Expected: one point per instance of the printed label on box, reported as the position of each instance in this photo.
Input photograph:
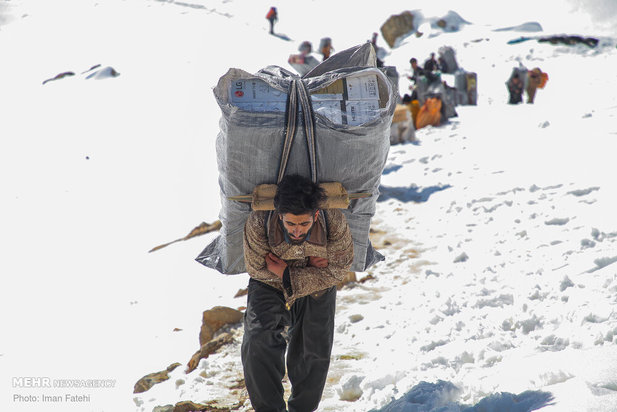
(361, 111)
(254, 90)
(362, 87)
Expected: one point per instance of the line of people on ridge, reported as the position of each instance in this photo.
(306, 48)
(434, 109)
(303, 61)
(429, 69)
(325, 44)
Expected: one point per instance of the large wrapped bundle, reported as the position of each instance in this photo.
(340, 114)
(448, 57)
(467, 85)
(403, 129)
(430, 113)
(448, 100)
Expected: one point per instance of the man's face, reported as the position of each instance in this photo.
(298, 226)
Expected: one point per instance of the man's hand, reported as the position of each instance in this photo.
(275, 265)
(318, 262)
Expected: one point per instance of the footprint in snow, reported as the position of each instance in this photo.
(557, 221)
(602, 263)
(583, 192)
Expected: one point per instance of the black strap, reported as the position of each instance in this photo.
(297, 91)
(290, 128)
(309, 128)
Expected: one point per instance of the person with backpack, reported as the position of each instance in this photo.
(515, 89)
(378, 50)
(431, 66)
(295, 256)
(536, 79)
(272, 17)
(416, 70)
(303, 62)
(442, 64)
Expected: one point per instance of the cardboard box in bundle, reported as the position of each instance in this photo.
(349, 112)
(330, 109)
(254, 90)
(355, 100)
(255, 95)
(351, 88)
(362, 88)
(361, 111)
(350, 101)
(333, 91)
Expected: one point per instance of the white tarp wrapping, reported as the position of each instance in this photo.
(250, 143)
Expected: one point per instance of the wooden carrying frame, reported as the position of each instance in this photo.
(337, 197)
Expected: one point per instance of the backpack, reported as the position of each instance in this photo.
(344, 140)
(543, 80)
(430, 113)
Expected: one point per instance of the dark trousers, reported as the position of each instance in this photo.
(311, 332)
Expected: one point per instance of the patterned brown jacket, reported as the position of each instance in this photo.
(329, 238)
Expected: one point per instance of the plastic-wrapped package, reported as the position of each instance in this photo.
(342, 134)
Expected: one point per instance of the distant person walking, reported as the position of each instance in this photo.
(515, 88)
(378, 50)
(305, 49)
(443, 65)
(272, 17)
(303, 62)
(536, 79)
(416, 70)
(430, 64)
(325, 47)
(430, 67)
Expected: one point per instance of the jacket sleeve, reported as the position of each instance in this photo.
(309, 279)
(256, 248)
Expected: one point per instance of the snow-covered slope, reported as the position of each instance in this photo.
(498, 227)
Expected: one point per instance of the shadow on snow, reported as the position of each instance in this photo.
(281, 36)
(391, 168)
(442, 396)
(409, 194)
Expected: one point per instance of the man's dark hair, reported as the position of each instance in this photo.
(298, 195)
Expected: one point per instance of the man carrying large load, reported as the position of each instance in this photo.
(295, 255)
(300, 161)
